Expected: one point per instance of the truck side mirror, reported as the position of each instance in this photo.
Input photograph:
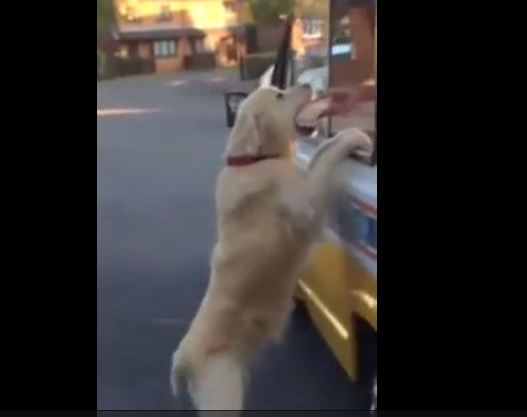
(232, 103)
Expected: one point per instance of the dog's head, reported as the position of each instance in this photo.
(265, 122)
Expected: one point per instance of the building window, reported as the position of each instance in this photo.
(122, 52)
(313, 27)
(198, 45)
(165, 48)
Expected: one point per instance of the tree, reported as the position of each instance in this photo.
(269, 11)
(105, 18)
(312, 8)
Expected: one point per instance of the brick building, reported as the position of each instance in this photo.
(177, 33)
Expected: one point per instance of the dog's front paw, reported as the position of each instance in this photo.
(354, 139)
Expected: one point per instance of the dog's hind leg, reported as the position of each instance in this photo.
(180, 377)
(219, 385)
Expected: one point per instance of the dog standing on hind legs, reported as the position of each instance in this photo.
(269, 213)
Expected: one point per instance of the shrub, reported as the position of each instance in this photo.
(121, 67)
(254, 65)
(203, 60)
(101, 64)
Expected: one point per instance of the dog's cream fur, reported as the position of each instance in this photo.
(269, 214)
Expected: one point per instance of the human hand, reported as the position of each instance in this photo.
(344, 100)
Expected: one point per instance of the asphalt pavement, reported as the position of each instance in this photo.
(159, 146)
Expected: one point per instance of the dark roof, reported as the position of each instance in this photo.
(142, 32)
(156, 33)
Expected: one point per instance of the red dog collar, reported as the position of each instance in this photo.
(242, 160)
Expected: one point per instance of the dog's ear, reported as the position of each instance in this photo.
(246, 136)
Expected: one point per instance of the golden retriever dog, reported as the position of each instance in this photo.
(269, 213)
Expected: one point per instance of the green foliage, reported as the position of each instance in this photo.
(254, 65)
(269, 11)
(101, 64)
(105, 18)
(312, 8)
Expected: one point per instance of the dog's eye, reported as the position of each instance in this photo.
(279, 96)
